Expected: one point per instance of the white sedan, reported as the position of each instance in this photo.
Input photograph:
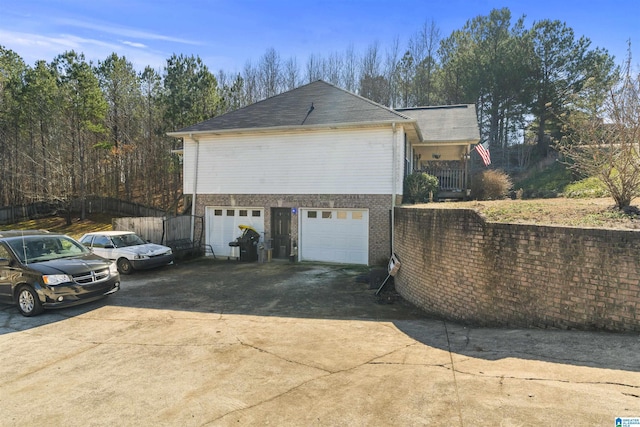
(128, 250)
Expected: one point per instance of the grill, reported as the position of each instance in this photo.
(157, 255)
(248, 243)
(91, 276)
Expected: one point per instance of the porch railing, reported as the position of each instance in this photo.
(449, 179)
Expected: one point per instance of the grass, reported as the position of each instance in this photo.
(95, 222)
(583, 212)
(603, 219)
(525, 211)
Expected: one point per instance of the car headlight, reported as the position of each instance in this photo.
(56, 279)
(113, 269)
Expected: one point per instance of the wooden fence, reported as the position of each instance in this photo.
(161, 230)
(150, 224)
(116, 206)
(149, 228)
(12, 214)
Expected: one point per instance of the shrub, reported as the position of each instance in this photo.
(546, 182)
(519, 194)
(419, 187)
(588, 187)
(490, 185)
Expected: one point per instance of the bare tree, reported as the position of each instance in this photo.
(606, 143)
(121, 88)
(84, 107)
(291, 74)
(391, 71)
(251, 86)
(373, 84)
(423, 48)
(350, 70)
(156, 147)
(270, 73)
(371, 60)
(313, 69)
(333, 68)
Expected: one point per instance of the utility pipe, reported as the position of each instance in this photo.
(393, 182)
(195, 187)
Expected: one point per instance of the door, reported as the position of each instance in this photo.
(334, 235)
(7, 274)
(281, 232)
(102, 245)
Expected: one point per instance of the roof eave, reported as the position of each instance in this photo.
(182, 134)
(449, 142)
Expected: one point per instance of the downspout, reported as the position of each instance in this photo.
(393, 183)
(195, 188)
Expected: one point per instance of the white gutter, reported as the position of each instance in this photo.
(195, 188)
(381, 123)
(393, 183)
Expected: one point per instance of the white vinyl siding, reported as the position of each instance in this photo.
(309, 162)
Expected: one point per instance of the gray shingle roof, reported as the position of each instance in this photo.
(446, 123)
(331, 105)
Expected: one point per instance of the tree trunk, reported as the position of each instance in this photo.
(543, 144)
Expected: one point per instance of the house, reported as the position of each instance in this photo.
(316, 171)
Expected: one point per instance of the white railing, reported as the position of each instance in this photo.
(449, 179)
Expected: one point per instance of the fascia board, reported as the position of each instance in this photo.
(291, 128)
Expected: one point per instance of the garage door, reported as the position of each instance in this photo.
(222, 227)
(334, 235)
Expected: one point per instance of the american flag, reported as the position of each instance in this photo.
(484, 153)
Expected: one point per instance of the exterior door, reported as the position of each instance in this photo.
(281, 232)
(7, 274)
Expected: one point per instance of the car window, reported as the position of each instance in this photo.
(101, 242)
(117, 242)
(127, 240)
(45, 248)
(4, 253)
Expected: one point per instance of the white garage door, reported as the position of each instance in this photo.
(222, 227)
(334, 235)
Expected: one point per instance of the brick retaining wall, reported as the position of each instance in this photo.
(456, 265)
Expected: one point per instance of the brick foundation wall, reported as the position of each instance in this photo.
(457, 266)
(379, 206)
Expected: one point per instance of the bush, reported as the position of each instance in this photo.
(545, 183)
(490, 185)
(585, 188)
(419, 187)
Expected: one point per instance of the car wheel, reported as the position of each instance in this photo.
(124, 266)
(28, 302)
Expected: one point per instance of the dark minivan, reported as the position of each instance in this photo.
(41, 270)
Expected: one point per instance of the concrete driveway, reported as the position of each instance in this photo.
(209, 343)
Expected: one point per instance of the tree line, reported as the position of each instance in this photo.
(70, 128)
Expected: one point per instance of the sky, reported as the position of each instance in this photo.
(226, 34)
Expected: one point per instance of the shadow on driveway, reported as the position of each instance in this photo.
(300, 290)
